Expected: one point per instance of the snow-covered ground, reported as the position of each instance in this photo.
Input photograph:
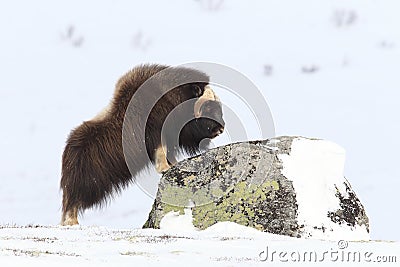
(328, 69)
(224, 244)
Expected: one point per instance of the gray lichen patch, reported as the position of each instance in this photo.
(351, 210)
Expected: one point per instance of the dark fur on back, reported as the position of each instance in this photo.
(93, 163)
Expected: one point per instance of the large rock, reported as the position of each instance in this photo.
(287, 185)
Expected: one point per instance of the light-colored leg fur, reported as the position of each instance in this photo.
(161, 159)
(70, 217)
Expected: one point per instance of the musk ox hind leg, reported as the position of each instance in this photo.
(69, 211)
(70, 217)
(93, 169)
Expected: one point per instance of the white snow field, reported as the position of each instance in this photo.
(328, 69)
(223, 244)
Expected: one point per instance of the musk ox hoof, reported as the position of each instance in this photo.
(162, 167)
(70, 218)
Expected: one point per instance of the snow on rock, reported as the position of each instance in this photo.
(316, 169)
(173, 221)
(291, 186)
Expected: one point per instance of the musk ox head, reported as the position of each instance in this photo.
(208, 112)
(207, 122)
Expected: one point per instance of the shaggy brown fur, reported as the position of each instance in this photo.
(96, 164)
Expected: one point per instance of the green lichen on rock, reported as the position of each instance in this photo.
(176, 195)
(237, 206)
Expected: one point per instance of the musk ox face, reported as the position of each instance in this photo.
(208, 114)
(210, 119)
(207, 122)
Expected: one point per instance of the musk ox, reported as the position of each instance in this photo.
(103, 155)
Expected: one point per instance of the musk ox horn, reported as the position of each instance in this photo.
(207, 96)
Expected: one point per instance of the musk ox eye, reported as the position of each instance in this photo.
(198, 91)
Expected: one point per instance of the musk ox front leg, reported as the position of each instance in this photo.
(161, 160)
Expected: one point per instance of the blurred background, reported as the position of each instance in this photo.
(328, 69)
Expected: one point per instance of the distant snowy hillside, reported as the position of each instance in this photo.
(328, 69)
